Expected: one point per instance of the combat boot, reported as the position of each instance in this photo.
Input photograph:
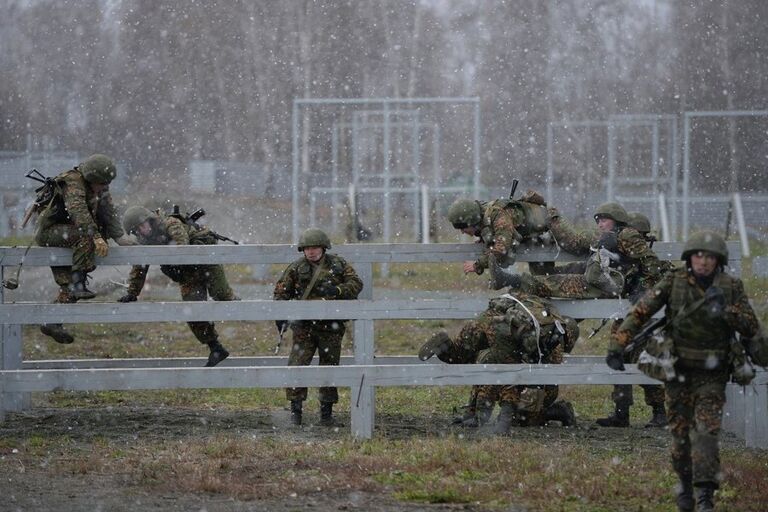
(217, 355)
(326, 414)
(620, 417)
(659, 417)
(436, 345)
(79, 291)
(57, 332)
(705, 498)
(561, 411)
(684, 497)
(296, 412)
(507, 416)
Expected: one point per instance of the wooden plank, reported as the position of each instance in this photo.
(363, 396)
(266, 253)
(11, 359)
(465, 307)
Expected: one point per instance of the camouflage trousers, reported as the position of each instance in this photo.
(571, 286)
(695, 411)
(83, 252)
(622, 394)
(327, 343)
(197, 283)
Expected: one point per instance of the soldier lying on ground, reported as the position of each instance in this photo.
(196, 282)
(514, 329)
(80, 215)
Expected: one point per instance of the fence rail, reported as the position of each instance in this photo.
(363, 372)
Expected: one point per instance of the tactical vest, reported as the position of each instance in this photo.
(702, 337)
(530, 219)
(332, 271)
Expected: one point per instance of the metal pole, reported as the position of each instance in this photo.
(295, 177)
(665, 235)
(739, 211)
(476, 156)
(686, 171)
(334, 176)
(424, 214)
(674, 189)
(655, 163)
(387, 184)
(611, 163)
(550, 170)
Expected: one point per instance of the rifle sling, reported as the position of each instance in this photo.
(313, 281)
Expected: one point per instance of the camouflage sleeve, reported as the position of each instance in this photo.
(285, 288)
(177, 231)
(76, 204)
(571, 239)
(351, 285)
(483, 262)
(652, 301)
(633, 246)
(740, 315)
(136, 279)
(108, 218)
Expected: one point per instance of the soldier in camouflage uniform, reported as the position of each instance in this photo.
(620, 256)
(79, 216)
(196, 282)
(705, 307)
(506, 333)
(622, 395)
(318, 275)
(500, 225)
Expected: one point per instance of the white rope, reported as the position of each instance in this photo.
(536, 324)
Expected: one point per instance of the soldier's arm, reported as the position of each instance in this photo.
(482, 262)
(73, 193)
(285, 287)
(505, 234)
(569, 238)
(652, 301)
(136, 279)
(177, 231)
(352, 285)
(633, 245)
(113, 228)
(740, 315)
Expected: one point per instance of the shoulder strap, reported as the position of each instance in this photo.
(313, 281)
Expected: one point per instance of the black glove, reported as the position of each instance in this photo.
(128, 297)
(328, 290)
(715, 298)
(615, 360)
(281, 325)
(608, 240)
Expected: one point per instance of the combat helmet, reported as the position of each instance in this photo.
(464, 213)
(98, 169)
(612, 211)
(707, 241)
(640, 222)
(314, 237)
(135, 216)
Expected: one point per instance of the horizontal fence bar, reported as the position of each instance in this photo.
(257, 310)
(362, 253)
(194, 362)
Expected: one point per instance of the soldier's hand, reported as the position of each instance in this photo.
(100, 247)
(128, 297)
(328, 290)
(469, 267)
(715, 299)
(281, 325)
(126, 240)
(615, 360)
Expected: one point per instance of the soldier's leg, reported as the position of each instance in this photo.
(709, 400)
(681, 417)
(303, 348)
(218, 286)
(205, 332)
(622, 401)
(63, 277)
(329, 351)
(461, 350)
(572, 286)
(510, 410)
(654, 398)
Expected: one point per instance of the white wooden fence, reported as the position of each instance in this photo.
(745, 415)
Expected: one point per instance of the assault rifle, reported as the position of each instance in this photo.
(192, 218)
(514, 187)
(44, 194)
(649, 329)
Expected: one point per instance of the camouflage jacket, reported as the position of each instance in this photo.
(75, 203)
(694, 323)
(168, 230)
(569, 238)
(639, 264)
(499, 231)
(334, 270)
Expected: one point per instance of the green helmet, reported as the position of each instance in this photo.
(464, 213)
(612, 211)
(707, 241)
(314, 237)
(640, 222)
(134, 216)
(98, 169)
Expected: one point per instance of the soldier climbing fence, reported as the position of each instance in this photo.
(746, 412)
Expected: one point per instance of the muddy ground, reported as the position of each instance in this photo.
(28, 484)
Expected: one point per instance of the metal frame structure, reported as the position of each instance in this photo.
(687, 118)
(388, 106)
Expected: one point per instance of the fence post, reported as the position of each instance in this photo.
(362, 398)
(10, 359)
